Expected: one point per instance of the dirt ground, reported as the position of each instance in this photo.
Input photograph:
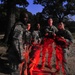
(5, 70)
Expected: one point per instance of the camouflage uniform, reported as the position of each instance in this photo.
(35, 51)
(15, 50)
(16, 47)
(36, 36)
(27, 37)
(61, 52)
(48, 44)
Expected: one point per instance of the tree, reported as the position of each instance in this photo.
(57, 8)
(10, 7)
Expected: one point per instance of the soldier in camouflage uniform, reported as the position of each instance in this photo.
(35, 51)
(16, 46)
(36, 34)
(62, 45)
(27, 47)
(50, 33)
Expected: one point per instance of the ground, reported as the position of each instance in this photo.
(5, 70)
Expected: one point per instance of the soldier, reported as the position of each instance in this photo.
(27, 47)
(50, 33)
(64, 40)
(36, 34)
(16, 46)
(35, 51)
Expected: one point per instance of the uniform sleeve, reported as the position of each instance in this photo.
(17, 32)
(56, 30)
(48, 30)
(70, 37)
